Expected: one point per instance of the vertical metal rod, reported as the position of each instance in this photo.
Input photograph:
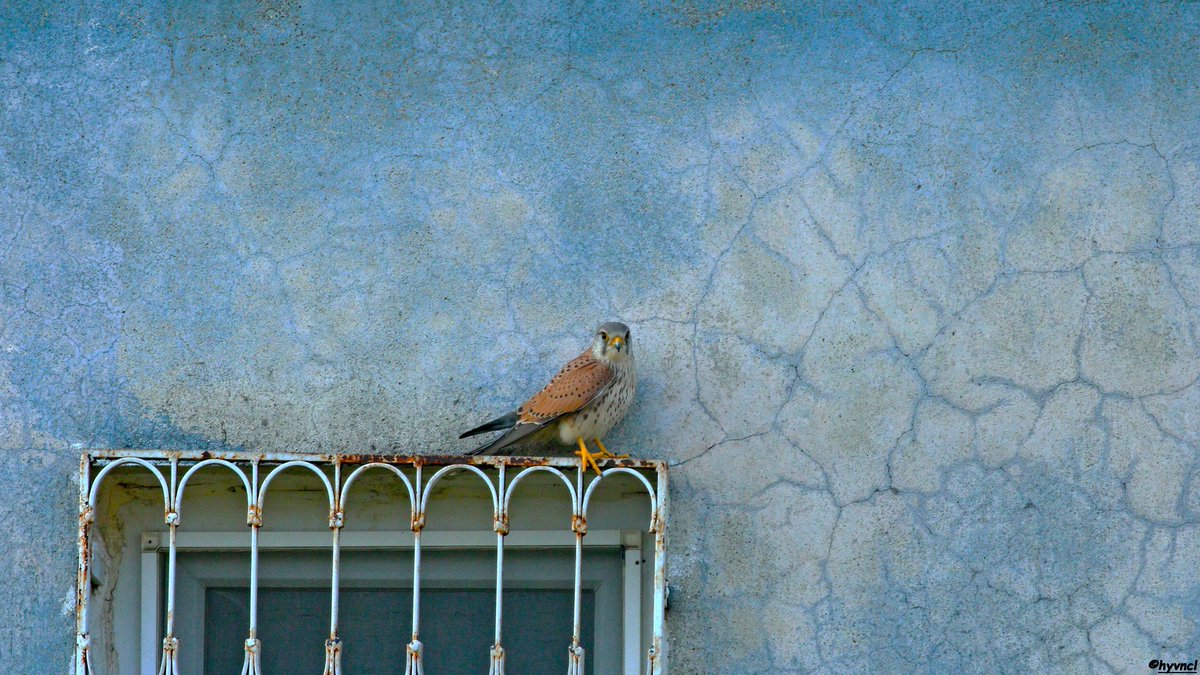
(579, 525)
(335, 524)
(333, 603)
(413, 662)
(170, 642)
(500, 524)
(658, 648)
(333, 646)
(501, 527)
(251, 664)
(172, 517)
(576, 624)
(254, 581)
(83, 582)
(499, 583)
(254, 525)
(417, 526)
(416, 609)
(575, 660)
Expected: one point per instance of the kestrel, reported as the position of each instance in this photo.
(584, 400)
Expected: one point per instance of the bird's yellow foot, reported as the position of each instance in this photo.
(604, 453)
(586, 458)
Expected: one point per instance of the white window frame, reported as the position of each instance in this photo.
(172, 469)
(154, 569)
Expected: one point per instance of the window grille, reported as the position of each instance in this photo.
(338, 473)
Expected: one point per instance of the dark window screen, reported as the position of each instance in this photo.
(375, 625)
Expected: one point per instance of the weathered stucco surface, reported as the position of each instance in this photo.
(915, 290)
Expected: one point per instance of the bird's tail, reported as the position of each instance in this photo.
(516, 434)
(502, 422)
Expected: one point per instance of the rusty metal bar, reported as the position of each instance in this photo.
(104, 455)
(580, 491)
(83, 582)
(656, 661)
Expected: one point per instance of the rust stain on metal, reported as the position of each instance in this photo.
(656, 522)
(103, 456)
(83, 640)
(85, 550)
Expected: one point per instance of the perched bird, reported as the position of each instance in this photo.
(584, 400)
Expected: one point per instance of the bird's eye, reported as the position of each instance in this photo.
(604, 336)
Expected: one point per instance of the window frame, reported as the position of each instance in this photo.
(154, 568)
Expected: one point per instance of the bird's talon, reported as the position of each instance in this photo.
(586, 458)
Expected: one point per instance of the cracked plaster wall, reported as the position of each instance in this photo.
(916, 289)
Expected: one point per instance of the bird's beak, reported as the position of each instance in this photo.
(616, 342)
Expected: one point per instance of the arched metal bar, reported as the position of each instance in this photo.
(549, 469)
(208, 462)
(262, 491)
(130, 460)
(447, 469)
(412, 498)
(587, 495)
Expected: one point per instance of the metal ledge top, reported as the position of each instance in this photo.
(102, 456)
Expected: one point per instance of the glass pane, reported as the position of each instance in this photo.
(376, 625)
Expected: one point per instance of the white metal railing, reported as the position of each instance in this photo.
(166, 466)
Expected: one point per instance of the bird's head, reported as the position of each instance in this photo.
(613, 342)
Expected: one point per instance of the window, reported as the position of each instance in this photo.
(373, 564)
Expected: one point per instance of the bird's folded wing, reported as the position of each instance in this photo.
(580, 381)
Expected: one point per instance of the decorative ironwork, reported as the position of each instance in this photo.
(165, 466)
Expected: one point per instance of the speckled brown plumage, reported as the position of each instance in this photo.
(570, 390)
(587, 398)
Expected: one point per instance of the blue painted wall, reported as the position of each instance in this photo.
(914, 289)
